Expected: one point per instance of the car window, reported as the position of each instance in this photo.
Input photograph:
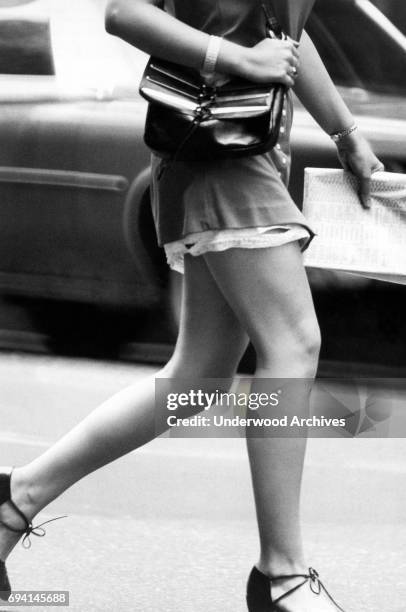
(357, 50)
(25, 41)
(99, 60)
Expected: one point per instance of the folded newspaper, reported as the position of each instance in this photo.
(349, 238)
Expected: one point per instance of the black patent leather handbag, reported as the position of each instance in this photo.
(188, 119)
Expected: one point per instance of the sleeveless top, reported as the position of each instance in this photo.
(240, 21)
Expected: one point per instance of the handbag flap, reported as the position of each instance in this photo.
(184, 90)
(171, 78)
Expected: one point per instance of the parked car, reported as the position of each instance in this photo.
(75, 219)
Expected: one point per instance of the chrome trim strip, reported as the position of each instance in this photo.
(169, 99)
(236, 98)
(175, 77)
(62, 178)
(241, 111)
(169, 87)
(183, 105)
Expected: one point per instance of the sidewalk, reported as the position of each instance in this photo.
(172, 526)
(42, 397)
(124, 565)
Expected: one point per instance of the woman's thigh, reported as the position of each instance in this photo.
(268, 290)
(211, 339)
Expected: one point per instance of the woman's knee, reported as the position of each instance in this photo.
(297, 346)
(309, 345)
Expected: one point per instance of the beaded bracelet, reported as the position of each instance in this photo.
(337, 136)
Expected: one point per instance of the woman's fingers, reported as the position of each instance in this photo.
(357, 156)
(292, 67)
(294, 54)
(365, 183)
(365, 191)
(363, 173)
(288, 80)
(365, 180)
(273, 60)
(379, 167)
(294, 63)
(294, 48)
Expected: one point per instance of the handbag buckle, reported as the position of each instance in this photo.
(206, 99)
(203, 111)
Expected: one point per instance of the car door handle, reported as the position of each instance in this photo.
(63, 178)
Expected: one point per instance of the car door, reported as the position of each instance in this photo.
(70, 150)
(365, 55)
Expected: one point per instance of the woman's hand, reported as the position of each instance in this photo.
(271, 60)
(356, 156)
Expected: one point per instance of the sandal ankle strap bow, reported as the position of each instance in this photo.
(314, 582)
(262, 590)
(28, 529)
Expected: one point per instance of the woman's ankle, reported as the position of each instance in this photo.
(282, 566)
(23, 493)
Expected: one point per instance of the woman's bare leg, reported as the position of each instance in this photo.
(128, 419)
(269, 292)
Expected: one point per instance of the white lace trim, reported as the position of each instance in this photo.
(220, 240)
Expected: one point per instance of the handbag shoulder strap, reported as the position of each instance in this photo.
(273, 27)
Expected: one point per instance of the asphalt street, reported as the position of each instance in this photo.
(171, 527)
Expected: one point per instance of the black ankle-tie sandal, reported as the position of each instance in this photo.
(28, 529)
(260, 597)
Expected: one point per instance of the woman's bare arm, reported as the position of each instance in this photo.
(146, 26)
(318, 94)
